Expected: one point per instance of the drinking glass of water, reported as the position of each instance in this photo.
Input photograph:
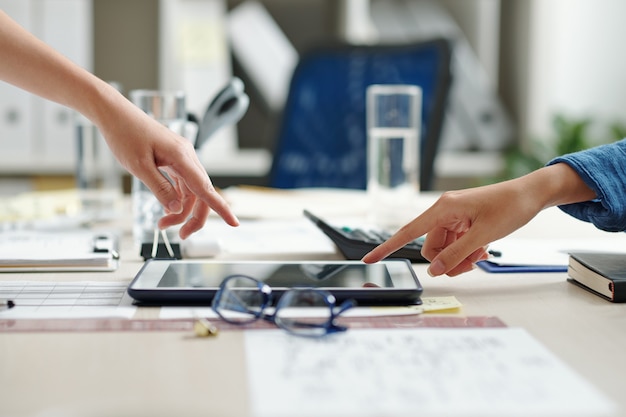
(393, 114)
(168, 108)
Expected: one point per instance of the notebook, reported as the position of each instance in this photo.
(75, 250)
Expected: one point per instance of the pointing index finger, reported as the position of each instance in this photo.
(409, 232)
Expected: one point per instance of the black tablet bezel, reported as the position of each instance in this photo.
(143, 289)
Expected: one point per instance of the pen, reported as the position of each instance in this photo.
(6, 304)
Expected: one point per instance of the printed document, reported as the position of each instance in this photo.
(407, 372)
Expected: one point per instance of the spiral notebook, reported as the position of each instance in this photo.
(41, 251)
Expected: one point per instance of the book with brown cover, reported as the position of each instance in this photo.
(602, 273)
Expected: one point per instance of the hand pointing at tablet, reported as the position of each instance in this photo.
(142, 145)
(461, 224)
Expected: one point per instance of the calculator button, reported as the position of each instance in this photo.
(413, 245)
(363, 235)
(379, 236)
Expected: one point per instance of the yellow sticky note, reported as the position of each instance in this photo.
(440, 304)
(202, 42)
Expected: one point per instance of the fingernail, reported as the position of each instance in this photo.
(436, 268)
(174, 206)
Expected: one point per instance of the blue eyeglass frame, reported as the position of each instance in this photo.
(329, 326)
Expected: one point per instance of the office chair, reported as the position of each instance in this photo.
(322, 140)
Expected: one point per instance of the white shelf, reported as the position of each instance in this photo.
(457, 164)
(240, 163)
(34, 165)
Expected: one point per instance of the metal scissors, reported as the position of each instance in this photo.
(227, 108)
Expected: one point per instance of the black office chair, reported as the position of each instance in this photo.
(322, 139)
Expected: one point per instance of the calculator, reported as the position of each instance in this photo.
(354, 243)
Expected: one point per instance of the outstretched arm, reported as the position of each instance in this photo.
(142, 145)
(461, 224)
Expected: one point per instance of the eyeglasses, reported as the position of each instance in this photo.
(242, 299)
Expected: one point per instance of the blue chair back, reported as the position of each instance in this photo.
(322, 140)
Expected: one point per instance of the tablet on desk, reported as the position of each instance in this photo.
(171, 282)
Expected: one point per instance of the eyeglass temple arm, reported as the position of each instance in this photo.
(346, 305)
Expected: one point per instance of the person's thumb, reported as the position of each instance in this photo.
(455, 255)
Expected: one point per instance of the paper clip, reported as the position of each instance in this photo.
(165, 250)
(155, 243)
(204, 328)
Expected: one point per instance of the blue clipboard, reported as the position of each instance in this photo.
(511, 269)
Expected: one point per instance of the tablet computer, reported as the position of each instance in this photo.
(181, 282)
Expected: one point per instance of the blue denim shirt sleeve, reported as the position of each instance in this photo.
(603, 169)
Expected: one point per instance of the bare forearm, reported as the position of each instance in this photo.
(556, 185)
(461, 223)
(142, 145)
(32, 65)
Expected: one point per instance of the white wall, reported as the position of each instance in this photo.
(479, 20)
(575, 63)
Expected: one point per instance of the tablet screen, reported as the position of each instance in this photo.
(199, 280)
(338, 275)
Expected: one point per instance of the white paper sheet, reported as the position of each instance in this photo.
(269, 203)
(519, 251)
(71, 299)
(427, 372)
(255, 238)
(207, 312)
(429, 304)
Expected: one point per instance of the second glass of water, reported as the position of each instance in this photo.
(168, 108)
(393, 114)
(98, 174)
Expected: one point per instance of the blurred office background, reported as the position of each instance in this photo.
(521, 62)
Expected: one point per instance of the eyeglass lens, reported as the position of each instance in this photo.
(289, 312)
(240, 299)
(301, 311)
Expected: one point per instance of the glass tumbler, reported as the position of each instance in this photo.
(393, 152)
(168, 108)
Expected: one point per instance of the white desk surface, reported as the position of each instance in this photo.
(164, 373)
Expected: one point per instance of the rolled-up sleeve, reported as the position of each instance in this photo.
(603, 169)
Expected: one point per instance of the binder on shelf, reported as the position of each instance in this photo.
(36, 135)
(16, 115)
(66, 26)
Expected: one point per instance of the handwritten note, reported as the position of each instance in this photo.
(434, 372)
(440, 304)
